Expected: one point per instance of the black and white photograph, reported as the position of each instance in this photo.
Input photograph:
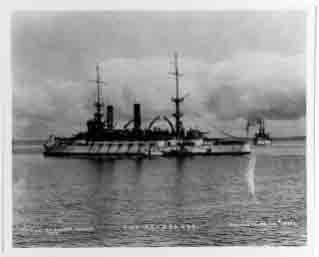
(159, 128)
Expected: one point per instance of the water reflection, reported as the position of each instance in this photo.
(178, 189)
(180, 163)
(208, 192)
(104, 172)
(138, 164)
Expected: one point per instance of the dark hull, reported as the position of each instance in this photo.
(123, 155)
(204, 154)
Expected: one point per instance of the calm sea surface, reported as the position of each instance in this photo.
(259, 199)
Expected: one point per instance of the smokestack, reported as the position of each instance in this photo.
(137, 116)
(109, 117)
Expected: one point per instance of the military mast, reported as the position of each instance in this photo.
(177, 99)
(99, 103)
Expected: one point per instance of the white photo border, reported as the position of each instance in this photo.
(213, 5)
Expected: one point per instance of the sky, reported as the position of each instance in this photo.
(236, 65)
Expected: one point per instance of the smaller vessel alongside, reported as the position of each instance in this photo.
(261, 137)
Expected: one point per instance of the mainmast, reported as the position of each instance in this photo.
(99, 103)
(177, 99)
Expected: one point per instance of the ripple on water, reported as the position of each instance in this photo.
(213, 194)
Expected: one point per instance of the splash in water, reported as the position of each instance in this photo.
(250, 176)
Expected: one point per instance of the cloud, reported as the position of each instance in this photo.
(253, 85)
(245, 85)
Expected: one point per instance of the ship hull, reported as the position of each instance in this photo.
(143, 149)
(186, 154)
(170, 154)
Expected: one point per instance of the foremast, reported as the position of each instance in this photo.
(96, 125)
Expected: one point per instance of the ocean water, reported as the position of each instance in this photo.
(258, 199)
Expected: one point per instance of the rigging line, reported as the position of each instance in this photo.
(223, 132)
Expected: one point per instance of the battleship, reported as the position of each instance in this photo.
(103, 138)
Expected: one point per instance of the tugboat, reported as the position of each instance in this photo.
(261, 137)
(103, 139)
